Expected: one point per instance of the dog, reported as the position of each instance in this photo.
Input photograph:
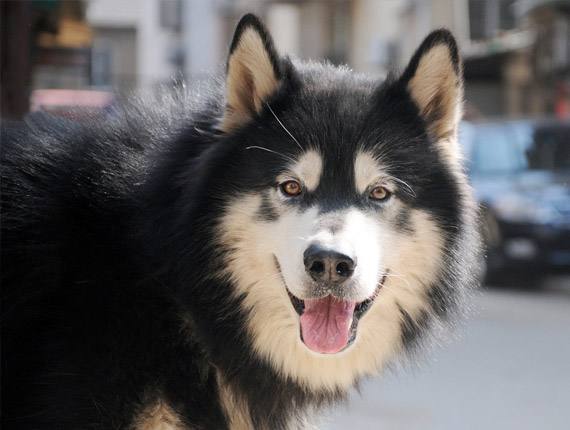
(238, 255)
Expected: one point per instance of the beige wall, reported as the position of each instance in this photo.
(375, 23)
(284, 22)
(120, 45)
(314, 31)
(113, 13)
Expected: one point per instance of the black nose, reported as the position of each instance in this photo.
(325, 265)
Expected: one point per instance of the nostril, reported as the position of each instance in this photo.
(317, 267)
(343, 269)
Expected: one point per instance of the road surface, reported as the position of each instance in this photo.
(509, 370)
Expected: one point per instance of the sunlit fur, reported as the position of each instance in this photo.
(148, 254)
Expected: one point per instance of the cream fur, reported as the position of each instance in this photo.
(250, 80)
(158, 416)
(274, 325)
(233, 408)
(436, 86)
(309, 169)
(366, 171)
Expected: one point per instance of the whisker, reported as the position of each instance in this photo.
(203, 132)
(269, 277)
(272, 151)
(283, 126)
(396, 275)
(386, 165)
(412, 192)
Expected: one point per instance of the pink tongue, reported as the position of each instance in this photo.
(325, 324)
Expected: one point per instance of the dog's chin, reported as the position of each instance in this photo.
(328, 325)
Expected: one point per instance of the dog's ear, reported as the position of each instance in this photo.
(434, 80)
(253, 72)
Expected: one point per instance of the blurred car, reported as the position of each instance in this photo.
(521, 174)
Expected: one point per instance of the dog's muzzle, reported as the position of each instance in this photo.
(328, 266)
(328, 318)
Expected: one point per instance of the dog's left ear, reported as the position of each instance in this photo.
(434, 81)
(253, 72)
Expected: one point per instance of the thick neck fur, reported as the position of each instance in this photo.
(276, 404)
(252, 394)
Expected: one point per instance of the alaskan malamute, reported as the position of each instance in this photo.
(236, 257)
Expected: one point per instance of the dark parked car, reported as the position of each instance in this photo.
(521, 174)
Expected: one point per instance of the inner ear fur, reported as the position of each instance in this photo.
(253, 73)
(434, 81)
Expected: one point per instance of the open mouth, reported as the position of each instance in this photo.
(329, 324)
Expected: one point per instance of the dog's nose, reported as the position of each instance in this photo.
(325, 265)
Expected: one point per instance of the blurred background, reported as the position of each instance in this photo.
(510, 368)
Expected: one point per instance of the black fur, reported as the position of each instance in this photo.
(413, 329)
(402, 221)
(109, 250)
(266, 211)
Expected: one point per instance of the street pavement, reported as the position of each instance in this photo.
(510, 369)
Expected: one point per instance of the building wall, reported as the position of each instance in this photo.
(153, 49)
(284, 23)
(314, 32)
(113, 13)
(376, 28)
(203, 37)
(373, 36)
(115, 57)
(419, 17)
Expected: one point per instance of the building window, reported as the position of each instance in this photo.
(488, 18)
(171, 14)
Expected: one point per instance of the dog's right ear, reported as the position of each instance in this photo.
(253, 73)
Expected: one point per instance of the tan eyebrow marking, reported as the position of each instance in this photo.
(309, 168)
(366, 171)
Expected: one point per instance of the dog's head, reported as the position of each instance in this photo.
(348, 226)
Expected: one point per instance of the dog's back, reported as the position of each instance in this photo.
(85, 326)
(56, 253)
(68, 203)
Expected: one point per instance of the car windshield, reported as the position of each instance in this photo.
(511, 147)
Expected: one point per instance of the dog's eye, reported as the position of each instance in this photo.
(379, 193)
(291, 188)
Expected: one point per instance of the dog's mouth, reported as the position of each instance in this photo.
(329, 324)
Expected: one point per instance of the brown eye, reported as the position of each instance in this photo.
(291, 188)
(379, 193)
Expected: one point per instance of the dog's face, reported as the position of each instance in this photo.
(347, 216)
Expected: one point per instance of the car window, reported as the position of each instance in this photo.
(496, 150)
(549, 148)
(510, 147)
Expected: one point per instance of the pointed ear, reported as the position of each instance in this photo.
(253, 72)
(434, 80)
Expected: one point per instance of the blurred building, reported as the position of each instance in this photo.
(45, 44)
(150, 41)
(136, 43)
(362, 33)
(517, 52)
